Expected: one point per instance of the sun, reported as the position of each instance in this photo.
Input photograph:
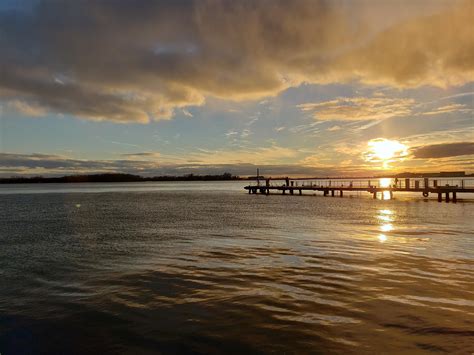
(385, 150)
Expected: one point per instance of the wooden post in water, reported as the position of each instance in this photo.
(340, 194)
(454, 197)
(332, 193)
(440, 197)
(447, 196)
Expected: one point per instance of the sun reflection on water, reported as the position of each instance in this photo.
(385, 183)
(386, 217)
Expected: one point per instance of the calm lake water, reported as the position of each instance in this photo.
(207, 268)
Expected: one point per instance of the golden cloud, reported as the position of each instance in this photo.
(459, 108)
(138, 61)
(359, 108)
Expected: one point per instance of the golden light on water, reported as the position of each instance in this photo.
(386, 216)
(385, 195)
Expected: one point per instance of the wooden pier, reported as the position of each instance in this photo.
(447, 187)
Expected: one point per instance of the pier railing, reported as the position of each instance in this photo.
(440, 186)
(400, 183)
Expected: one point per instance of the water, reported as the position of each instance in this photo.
(186, 267)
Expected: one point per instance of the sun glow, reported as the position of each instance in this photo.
(385, 182)
(385, 151)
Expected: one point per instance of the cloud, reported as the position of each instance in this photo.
(187, 113)
(51, 162)
(231, 133)
(245, 133)
(54, 165)
(260, 155)
(460, 108)
(444, 150)
(142, 155)
(136, 61)
(122, 143)
(359, 108)
(148, 161)
(25, 108)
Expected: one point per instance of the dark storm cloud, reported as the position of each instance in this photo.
(443, 150)
(137, 60)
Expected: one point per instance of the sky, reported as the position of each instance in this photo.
(300, 88)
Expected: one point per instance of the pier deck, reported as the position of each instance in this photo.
(449, 188)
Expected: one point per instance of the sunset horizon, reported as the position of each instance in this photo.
(196, 87)
(236, 177)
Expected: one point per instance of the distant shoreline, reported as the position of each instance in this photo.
(110, 177)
